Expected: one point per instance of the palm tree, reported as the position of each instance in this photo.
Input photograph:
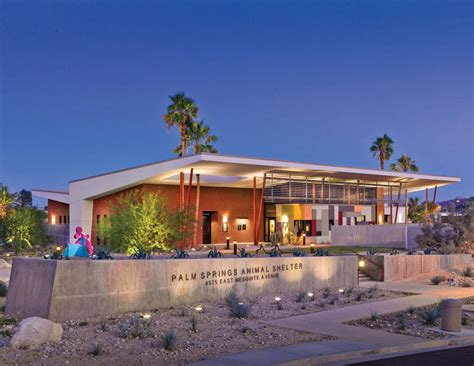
(181, 113)
(382, 149)
(404, 164)
(198, 136)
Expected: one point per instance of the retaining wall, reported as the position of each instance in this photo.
(391, 236)
(398, 267)
(75, 289)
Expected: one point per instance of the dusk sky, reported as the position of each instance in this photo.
(84, 84)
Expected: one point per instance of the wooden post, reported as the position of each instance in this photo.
(398, 202)
(196, 213)
(406, 206)
(260, 212)
(254, 210)
(391, 206)
(181, 190)
(426, 204)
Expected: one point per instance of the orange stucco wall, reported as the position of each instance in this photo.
(235, 203)
(57, 209)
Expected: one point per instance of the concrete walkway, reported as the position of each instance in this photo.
(352, 338)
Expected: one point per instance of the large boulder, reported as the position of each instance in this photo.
(34, 331)
(4, 264)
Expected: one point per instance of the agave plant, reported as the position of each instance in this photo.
(101, 252)
(297, 252)
(275, 253)
(180, 254)
(214, 253)
(140, 254)
(243, 253)
(321, 253)
(372, 251)
(276, 238)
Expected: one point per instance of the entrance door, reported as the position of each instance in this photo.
(206, 227)
(270, 227)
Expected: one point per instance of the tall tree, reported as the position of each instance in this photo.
(198, 136)
(382, 149)
(24, 198)
(404, 164)
(180, 113)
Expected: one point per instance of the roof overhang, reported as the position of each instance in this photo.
(238, 172)
(59, 196)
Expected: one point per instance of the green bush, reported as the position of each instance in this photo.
(96, 350)
(300, 297)
(401, 322)
(436, 280)
(194, 324)
(374, 315)
(3, 289)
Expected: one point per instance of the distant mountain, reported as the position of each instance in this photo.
(456, 205)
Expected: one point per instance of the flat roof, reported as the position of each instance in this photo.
(238, 172)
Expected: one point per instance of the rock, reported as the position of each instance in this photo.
(34, 331)
(4, 264)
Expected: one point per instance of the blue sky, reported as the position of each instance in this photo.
(84, 84)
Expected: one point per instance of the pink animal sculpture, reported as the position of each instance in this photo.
(83, 239)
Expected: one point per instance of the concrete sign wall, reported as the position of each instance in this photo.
(75, 289)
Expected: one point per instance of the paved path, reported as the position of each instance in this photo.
(276, 355)
(353, 338)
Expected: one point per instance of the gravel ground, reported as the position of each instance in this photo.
(414, 324)
(217, 332)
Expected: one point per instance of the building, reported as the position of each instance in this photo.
(227, 192)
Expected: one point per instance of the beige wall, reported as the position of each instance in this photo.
(86, 288)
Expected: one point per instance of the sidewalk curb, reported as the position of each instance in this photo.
(338, 357)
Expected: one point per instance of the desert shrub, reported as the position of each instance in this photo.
(373, 289)
(245, 330)
(465, 284)
(443, 238)
(143, 222)
(214, 253)
(430, 315)
(465, 320)
(103, 327)
(411, 309)
(96, 350)
(180, 254)
(297, 252)
(349, 291)
(243, 253)
(374, 315)
(274, 253)
(436, 280)
(240, 310)
(334, 299)
(467, 272)
(326, 293)
(136, 327)
(83, 323)
(169, 340)
(372, 251)
(194, 324)
(280, 305)
(300, 297)
(232, 298)
(3, 289)
(359, 296)
(401, 322)
(183, 312)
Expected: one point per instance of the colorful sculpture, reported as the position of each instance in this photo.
(82, 247)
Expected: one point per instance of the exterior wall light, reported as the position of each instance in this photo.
(312, 248)
(58, 249)
(53, 219)
(225, 224)
(361, 264)
(284, 220)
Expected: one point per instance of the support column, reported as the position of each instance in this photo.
(196, 213)
(406, 206)
(190, 186)
(322, 191)
(433, 205)
(260, 212)
(254, 210)
(426, 204)
(398, 203)
(391, 206)
(181, 190)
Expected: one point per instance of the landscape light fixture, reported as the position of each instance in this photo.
(235, 247)
(58, 249)
(198, 308)
(227, 242)
(312, 248)
(341, 290)
(240, 303)
(304, 238)
(310, 294)
(277, 299)
(146, 316)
